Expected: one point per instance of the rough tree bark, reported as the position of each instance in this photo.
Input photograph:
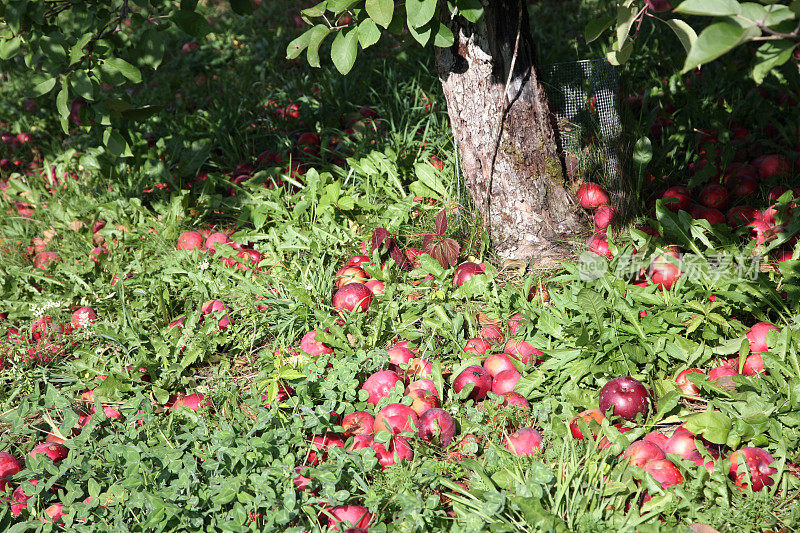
(504, 130)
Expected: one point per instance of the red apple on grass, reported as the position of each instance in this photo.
(592, 417)
(642, 451)
(682, 443)
(396, 418)
(399, 450)
(339, 518)
(192, 401)
(376, 287)
(522, 351)
(82, 317)
(758, 336)
(591, 196)
(687, 387)
(724, 370)
(498, 362)
(438, 426)
(714, 196)
(358, 260)
(212, 307)
(604, 217)
(677, 199)
(626, 397)
(310, 345)
(53, 450)
(524, 441)
(515, 399)
(753, 365)
(8, 465)
(422, 400)
(479, 377)
(664, 471)
(358, 423)
(662, 271)
(352, 296)
(758, 461)
(43, 260)
(320, 444)
(598, 244)
(466, 271)
(505, 381)
(743, 215)
(657, 438)
(190, 240)
(379, 384)
(491, 334)
(476, 346)
(349, 274)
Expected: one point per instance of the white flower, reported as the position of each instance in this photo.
(204, 265)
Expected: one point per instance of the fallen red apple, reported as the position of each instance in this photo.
(663, 272)
(396, 418)
(349, 274)
(192, 401)
(352, 296)
(353, 515)
(681, 443)
(522, 351)
(714, 196)
(476, 346)
(379, 384)
(479, 377)
(677, 199)
(466, 271)
(358, 423)
(82, 317)
(358, 260)
(498, 362)
(657, 438)
(516, 321)
(604, 217)
(524, 441)
(54, 513)
(598, 244)
(743, 214)
(641, 451)
(422, 400)
(53, 450)
(320, 444)
(758, 461)
(8, 465)
(190, 240)
(626, 397)
(687, 387)
(515, 399)
(376, 287)
(664, 471)
(491, 334)
(591, 196)
(212, 307)
(42, 260)
(399, 450)
(505, 381)
(310, 345)
(772, 165)
(758, 336)
(718, 372)
(592, 417)
(753, 365)
(437, 423)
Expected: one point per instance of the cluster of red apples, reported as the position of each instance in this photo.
(627, 399)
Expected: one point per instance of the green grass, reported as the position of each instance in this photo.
(231, 467)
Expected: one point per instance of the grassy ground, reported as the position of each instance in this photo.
(231, 465)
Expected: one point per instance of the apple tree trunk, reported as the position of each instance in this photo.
(505, 134)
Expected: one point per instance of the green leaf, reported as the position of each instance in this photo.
(686, 35)
(712, 425)
(596, 27)
(420, 12)
(593, 304)
(76, 52)
(643, 151)
(444, 38)
(338, 6)
(472, 10)
(9, 48)
(770, 55)
(380, 11)
(43, 88)
(422, 35)
(368, 33)
(296, 47)
(114, 143)
(710, 8)
(626, 16)
(192, 23)
(315, 11)
(61, 99)
(82, 85)
(619, 57)
(344, 50)
(713, 42)
(242, 7)
(152, 48)
(124, 68)
(318, 34)
(141, 113)
(427, 175)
